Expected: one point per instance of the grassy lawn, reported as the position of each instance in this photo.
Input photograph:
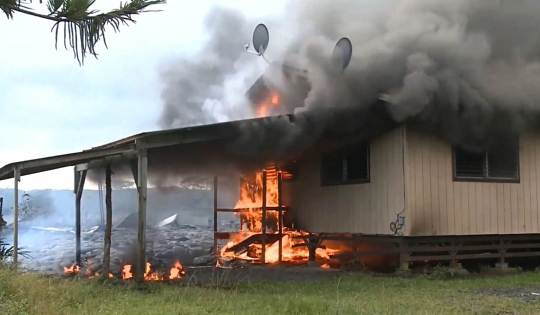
(350, 294)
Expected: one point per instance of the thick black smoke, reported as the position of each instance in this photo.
(467, 70)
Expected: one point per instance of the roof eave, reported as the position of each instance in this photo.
(29, 167)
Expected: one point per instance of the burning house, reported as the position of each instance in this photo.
(355, 185)
(385, 194)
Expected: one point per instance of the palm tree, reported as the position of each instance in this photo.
(82, 26)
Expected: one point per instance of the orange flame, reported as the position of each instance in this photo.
(72, 269)
(250, 202)
(75, 269)
(275, 99)
(176, 272)
(126, 272)
(271, 101)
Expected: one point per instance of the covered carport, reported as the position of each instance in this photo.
(131, 150)
(18, 169)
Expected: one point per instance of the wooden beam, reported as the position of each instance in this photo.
(263, 226)
(141, 228)
(81, 177)
(215, 214)
(240, 210)
(16, 177)
(108, 223)
(242, 221)
(280, 217)
(108, 160)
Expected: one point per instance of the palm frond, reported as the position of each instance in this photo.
(82, 26)
(7, 251)
(8, 6)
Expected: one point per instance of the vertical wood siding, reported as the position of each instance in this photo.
(361, 208)
(440, 206)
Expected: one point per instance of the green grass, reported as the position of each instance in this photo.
(350, 294)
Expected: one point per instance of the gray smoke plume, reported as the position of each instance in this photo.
(467, 70)
(200, 89)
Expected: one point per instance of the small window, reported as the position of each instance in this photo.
(347, 166)
(493, 165)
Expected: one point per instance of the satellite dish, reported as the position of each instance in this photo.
(261, 37)
(342, 54)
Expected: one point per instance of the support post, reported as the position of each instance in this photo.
(2, 222)
(502, 251)
(100, 197)
(16, 177)
(142, 175)
(403, 256)
(242, 221)
(263, 226)
(215, 215)
(312, 242)
(108, 223)
(80, 178)
(280, 217)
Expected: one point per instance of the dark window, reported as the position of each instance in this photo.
(347, 166)
(496, 165)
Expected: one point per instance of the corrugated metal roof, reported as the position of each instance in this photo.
(189, 134)
(59, 161)
(128, 145)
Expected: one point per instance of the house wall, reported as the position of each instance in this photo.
(356, 208)
(436, 205)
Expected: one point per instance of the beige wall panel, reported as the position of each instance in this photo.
(439, 206)
(361, 208)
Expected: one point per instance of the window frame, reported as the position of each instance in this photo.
(343, 154)
(456, 178)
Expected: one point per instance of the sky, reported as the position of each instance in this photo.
(49, 105)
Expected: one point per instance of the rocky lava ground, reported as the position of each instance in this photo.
(51, 249)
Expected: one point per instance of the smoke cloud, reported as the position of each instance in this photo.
(208, 86)
(467, 70)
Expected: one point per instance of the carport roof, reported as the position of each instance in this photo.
(129, 145)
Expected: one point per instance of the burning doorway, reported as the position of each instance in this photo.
(264, 236)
